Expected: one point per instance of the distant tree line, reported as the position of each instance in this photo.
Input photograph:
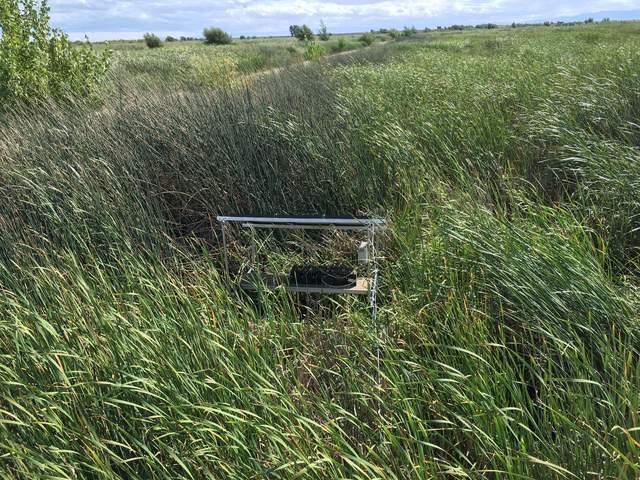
(516, 24)
(217, 36)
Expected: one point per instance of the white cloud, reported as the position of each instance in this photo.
(385, 8)
(275, 16)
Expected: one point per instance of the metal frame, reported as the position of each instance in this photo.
(323, 223)
(313, 223)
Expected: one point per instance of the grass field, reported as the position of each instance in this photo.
(506, 161)
(191, 63)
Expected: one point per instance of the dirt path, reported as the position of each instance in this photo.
(272, 71)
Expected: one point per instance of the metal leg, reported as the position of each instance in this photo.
(373, 306)
(224, 246)
(254, 253)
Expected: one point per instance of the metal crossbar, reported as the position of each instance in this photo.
(325, 221)
(306, 226)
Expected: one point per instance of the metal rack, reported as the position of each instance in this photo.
(366, 253)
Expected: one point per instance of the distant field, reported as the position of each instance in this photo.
(507, 162)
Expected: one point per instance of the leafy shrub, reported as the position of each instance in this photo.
(367, 38)
(313, 51)
(152, 41)
(216, 36)
(36, 60)
(170, 39)
(341, 46)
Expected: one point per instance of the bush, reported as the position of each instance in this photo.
(313, 51)
(37, 61)
(342, 45)
(367, 38)
(216, 36)
(394, 33)
(152, 41)
(170, 39)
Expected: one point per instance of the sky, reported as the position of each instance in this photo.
(124, 19)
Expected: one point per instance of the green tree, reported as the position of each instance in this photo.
(38, 61)
(216, 36)
(323, 33)
(301, 32)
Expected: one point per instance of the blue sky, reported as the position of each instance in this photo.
(114, 19)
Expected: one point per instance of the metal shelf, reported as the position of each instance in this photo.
(364, 286)
(272, 282)
(323, 221)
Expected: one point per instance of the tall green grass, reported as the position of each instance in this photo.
(506, 161)
(189, 64)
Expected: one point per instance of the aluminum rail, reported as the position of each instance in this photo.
(328, 221)
(296, 226)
